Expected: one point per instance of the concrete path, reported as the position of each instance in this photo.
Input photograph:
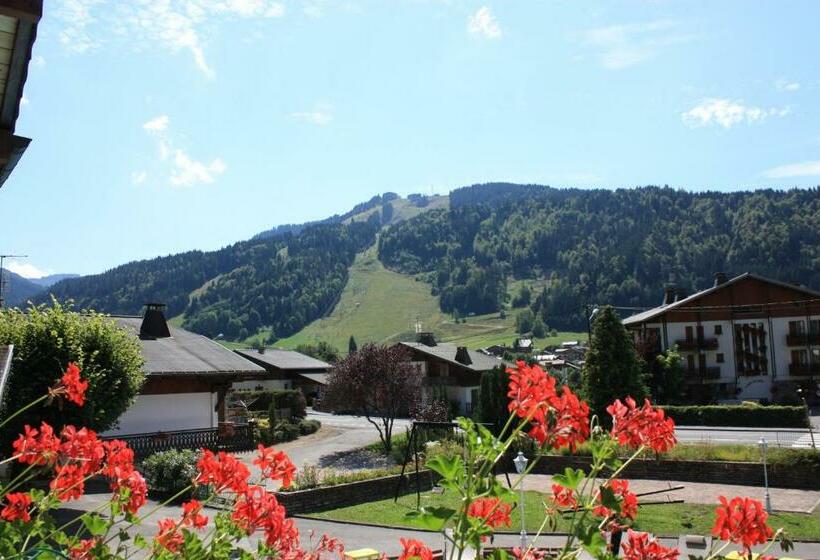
(783, 499)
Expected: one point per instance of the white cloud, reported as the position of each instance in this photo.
(321, 115)
(786, 85)
(803, 169)
(484, 23)
(38, 60)
(157, 124)
(138, 177)
(620, 46)
(24, 269)
(24, 100)
(183, 170)
(727, 113)
(172, 25)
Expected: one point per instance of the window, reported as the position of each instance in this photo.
(719, 358)
(689, 333)
(800, 357)
(718, 329)
(690, 362)
(814, 326)
(797, 327)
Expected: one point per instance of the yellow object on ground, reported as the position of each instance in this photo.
(362, 554)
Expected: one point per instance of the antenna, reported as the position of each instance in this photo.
(2, 281)
(418, 324)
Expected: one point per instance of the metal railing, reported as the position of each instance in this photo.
(776, 437)
(235, 438)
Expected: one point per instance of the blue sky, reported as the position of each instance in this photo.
(163, 126)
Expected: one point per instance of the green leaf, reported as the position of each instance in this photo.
(448, 468)
(95, 524)
(433, 519)
(140, 542)
(571, 478)
(608, 499)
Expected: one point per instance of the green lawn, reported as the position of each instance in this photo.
(664, 520)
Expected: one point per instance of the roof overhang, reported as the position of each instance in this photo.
(18, 30)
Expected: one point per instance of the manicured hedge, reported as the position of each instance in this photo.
(751, 416)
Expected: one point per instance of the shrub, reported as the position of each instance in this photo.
(739, 415)
(169, 472)
(307, 427)
(292, 399)
(306, 477)
(45, 339)
(255, 400)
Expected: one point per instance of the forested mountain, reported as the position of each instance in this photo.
(17, 289)
(280, 283)
(591, 246)
(602, 246)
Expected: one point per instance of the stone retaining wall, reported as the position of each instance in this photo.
(718, 472)
(352, 493)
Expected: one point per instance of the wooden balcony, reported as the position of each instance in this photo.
(802, 339)
(700, 373)
(689, 344)
(804, 369)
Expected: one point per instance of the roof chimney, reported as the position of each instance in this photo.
(426, 338)
(720, 278)
(680, 293)
(154, 324)
(463, 356)
(668, 294)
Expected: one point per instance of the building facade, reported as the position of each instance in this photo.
(748, 338)
(285, 369)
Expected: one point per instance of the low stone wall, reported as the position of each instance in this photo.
(352, 493)
(718, 472)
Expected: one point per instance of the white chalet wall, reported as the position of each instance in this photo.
(169, 412)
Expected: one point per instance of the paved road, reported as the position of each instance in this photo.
(746, 436)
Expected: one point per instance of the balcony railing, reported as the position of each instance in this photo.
(804, 369)
(697, 343)
(237, 438)
(711, 372)
(802, 339)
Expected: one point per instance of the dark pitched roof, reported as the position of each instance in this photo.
(447, 352)
(185, 352)
(644, 316)
(283, 359)
(6, 353)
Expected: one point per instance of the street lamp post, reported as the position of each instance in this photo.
(520, 463)
(764, 445)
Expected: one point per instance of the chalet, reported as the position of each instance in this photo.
(285, 369)
(450, 371)
(18, 29)
(522, 345)
(745, 338)
(187, 377)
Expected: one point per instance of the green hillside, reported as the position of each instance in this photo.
(378, 305)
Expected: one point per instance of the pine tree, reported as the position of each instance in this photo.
(351, 345)
(492, 399)
(612, 369)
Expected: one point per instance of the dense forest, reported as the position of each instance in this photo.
(602, 246)
(280, 283)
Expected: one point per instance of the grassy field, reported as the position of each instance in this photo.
(379, 305)
(663, 520)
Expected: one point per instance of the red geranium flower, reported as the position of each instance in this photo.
(169, 536)
(82, 551)
(258, 509)
(83, 447)
(531, 390)
(496, 512)
(628, 502)
(223, 471)
(131, 488)
(412, 548)
(742, 521)
(191, 516)
(639, 546)
(569, 420)
(37, 447)
(563, 497)
(69, 482)
(634, 427)
(74, 386)
(17, 507)
(275, 465)
(119, 459)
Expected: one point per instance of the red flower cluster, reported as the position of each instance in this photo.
(628, 502)
(529, 553)
(496, 512)
(83, 448)
(69, 484)
(275, 465)
(169, 536)
(223, 471)
(191, 516)
(634, 427)
(74, 386)
(37, 447)
(413, 549)
(742, 521)
(560, 419)
(258, 509)
(563, 497)
(639, 546)
(17, 507)
(82, 551)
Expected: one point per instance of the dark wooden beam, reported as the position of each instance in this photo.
(18, 71)
(27, 10)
